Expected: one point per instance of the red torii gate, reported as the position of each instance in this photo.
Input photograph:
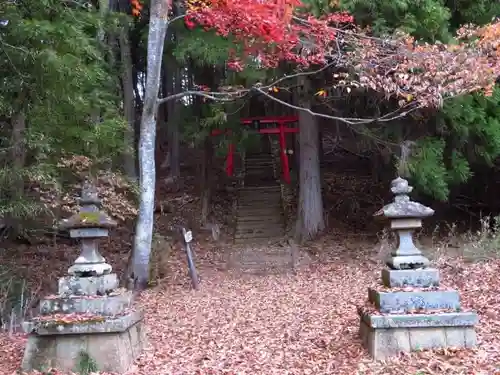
(280, 129)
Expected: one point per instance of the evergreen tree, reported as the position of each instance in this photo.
(54, 77)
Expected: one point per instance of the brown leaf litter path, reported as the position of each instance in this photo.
(295, 324)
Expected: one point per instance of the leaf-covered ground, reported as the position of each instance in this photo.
(292, 324)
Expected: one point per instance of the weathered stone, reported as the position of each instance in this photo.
(406, 223)
(104, 325)
(393, 302)
(88, 286)
(427, 338)
(385, 342)
(112, 352)
(407, 262)
(455, 319)
(403, 207)
(107, 305)
(470, 337)
(89, 215)
(423, 278)
(395, 327)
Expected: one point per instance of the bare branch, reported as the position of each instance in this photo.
(350, 121)
(176, 18)
(217, 96)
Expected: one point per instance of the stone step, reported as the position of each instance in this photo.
(264, 197)
(259, 231)
(259, 190)
(265, 220)
(257, 171)
(260, 195)
(396, 302)
(255, 159)
(259, 205)
(259, 228)
(257, 241)
(248, 229)
(254, 209)
(259, 198)
(260, 164)
(275, 187)
(259, 213)
(260, 237)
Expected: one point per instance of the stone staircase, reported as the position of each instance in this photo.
(259, 215)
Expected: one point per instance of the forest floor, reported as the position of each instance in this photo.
(302, 323)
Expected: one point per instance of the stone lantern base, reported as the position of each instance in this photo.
(89, 317)
(410, 313)
(112, 344)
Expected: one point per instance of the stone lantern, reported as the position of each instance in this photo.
(88, 226)
(409, 310)
(90, 315)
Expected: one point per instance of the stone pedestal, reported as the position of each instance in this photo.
(90, 317)
(409, 311)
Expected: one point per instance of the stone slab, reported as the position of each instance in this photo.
(383, 343)
(105, 305)
(88, 286)
(113, 352)
(407, 262)
(88, 233)
(408, 223)
(455, 319)
(394, 302)
(108, 325)
(423, 278)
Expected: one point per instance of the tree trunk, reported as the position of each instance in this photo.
(129, 165)
(206, 180)
(310, 220)
(173, 129)
(158, 25)
(18, 159)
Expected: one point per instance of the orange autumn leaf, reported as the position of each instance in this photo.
(321, 93)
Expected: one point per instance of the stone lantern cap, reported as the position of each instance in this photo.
(402, 207)
(90, 215)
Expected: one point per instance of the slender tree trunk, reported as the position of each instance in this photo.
(129, 164)
(173, 129)
(165, 111)
(310, 220)
(18, 160)
(158, 25)
(206, 180)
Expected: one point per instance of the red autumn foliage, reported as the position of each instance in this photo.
(416, 74)
(267, 30)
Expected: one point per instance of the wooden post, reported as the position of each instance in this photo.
(230, 160)
(284, 154)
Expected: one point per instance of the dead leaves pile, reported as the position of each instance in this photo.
(295, 324)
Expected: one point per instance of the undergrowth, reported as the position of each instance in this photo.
(15, 300)
(478, 245)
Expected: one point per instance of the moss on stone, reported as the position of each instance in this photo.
(93, 217)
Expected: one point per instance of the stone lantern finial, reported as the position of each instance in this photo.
(89, 224)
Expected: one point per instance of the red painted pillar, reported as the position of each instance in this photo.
(230, 160)
(284, 154)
